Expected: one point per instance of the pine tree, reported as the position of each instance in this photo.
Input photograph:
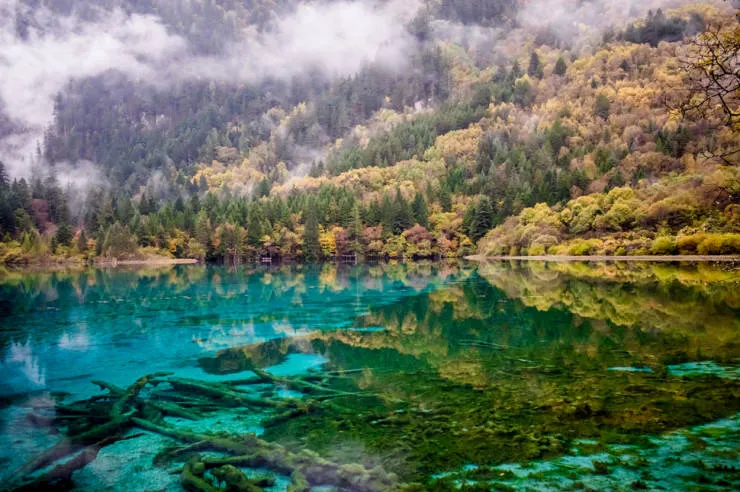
(445, 198)
(311, 244)
(535, 66)
(254, 229)
(403, 218)
(144, 205)
(478, 219)
(374, 214)
(387, 214)
(4, 180)
(82, 242)
(203, 230)
(515, 73)
(263, 189)
(560, 67)
(64, 235)
(355, 230)
(419, 209)
(602, 106)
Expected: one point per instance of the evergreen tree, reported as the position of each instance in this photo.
(515, 73)
(82, 242)
(535, 66)
(4, 180)
(387, 214)
(263, 189)
(402, 218)
(346, 212)
(7, 211)
(64, 235)
(55, 198)
(144, 205)
(419, 210)
(355, 230)
(602, 106)
(374, 214)
(254, 228)
(445, 198)
(21, 194)
(478, 218)
(311, 244)
(203, 229)
(560, 67)
(523, 95)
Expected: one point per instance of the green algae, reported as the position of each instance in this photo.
(669, 464)
(504, 399)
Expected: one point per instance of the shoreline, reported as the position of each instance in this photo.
(146, 262)
(56, 266)
(163, 261)
(647, 258)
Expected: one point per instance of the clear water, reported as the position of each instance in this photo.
(526, 375)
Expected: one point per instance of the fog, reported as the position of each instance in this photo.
(578, 22)
(334, 39)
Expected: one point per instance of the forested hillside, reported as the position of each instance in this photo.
(456, 127)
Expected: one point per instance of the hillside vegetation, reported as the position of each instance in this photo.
(611, 146)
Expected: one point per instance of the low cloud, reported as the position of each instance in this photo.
(334, 39)
(581, 22)
(62, 49)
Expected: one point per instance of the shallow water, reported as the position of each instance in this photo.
(524, 375)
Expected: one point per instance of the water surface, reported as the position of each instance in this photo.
(525, 375)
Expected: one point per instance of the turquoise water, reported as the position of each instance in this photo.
(523, 375)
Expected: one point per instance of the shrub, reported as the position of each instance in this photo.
(719, 244)
(559, 249)
(687, 245)
(580, 247)
(536, 250)
(663, 245)
(11, 253)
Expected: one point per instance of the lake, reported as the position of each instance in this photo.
(439, 376)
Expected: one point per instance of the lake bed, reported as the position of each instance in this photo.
(505, 374)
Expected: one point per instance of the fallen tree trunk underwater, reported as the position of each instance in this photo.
(89, 425)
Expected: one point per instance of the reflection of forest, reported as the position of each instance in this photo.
(292, 280)
(514, 363)
(217, 301)
(695, 307)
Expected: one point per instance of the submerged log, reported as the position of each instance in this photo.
(192, 479)
(294, 384)
(63, 473)
(174, 410)
(69, 445)
(221, 393)
(119, 417)
(132, 392)
(122, 409)
(236, 480)
(305, 466)
(171, 409)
